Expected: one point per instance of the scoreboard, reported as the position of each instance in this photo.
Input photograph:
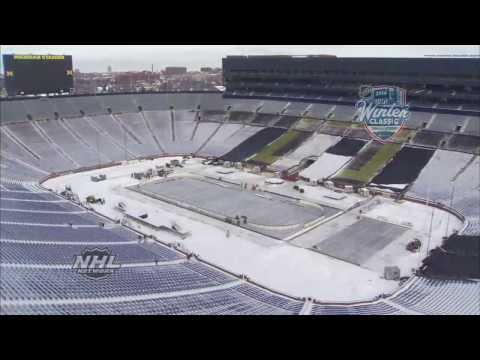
(37, 74)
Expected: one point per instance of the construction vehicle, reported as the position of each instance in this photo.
(98, 178)
(93, 200)
(414, 246)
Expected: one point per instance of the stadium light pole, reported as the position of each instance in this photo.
(452, 191)
(124, 141)
(426, 220)
(98, 147)
(428, 195)
(430, 231)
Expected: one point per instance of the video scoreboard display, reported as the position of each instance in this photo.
(37, 74)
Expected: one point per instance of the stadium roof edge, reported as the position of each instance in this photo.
(18, 98)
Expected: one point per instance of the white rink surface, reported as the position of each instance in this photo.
(280, 265)
(422, 220)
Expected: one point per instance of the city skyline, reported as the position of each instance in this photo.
(97, 58)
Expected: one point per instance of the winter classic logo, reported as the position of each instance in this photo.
(95, 263)
(383, 110)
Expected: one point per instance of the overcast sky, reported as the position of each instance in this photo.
(96, 58)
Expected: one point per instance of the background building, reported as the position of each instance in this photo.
(175, 70)
(442, 80)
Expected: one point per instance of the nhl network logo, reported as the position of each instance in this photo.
(382, 110)
(95, 263)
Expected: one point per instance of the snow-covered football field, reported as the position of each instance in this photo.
(336, 255)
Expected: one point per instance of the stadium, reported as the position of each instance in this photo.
(267, 198)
